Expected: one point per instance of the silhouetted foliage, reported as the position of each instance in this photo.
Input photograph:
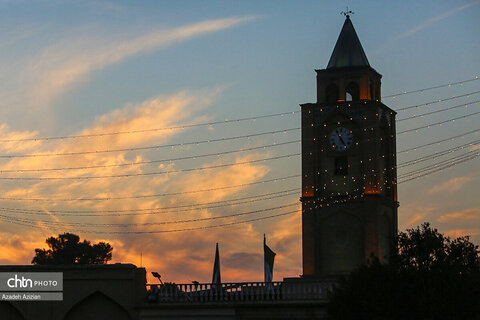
(67, 249)
(428, 276)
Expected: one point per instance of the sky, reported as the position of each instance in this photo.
(116, 124)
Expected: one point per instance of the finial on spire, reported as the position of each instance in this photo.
(347, 13)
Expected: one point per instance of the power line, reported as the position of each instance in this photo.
(223, 203)
(130, 164)
(153, 129)
(228, 121)
(150, 147)
(19, 221)
(439, 123)
(153, 173)
(207, 155)
(190, 169)
(474, 153)
(154, 211)
(209, 167)
(439, 141)
(438, 154)
(154, 195)
(29, 223)
(431, 88)
(86, 224)
(437, 101)
(440, 168)
(438, 111)
(200, 142)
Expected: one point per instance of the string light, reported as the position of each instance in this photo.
(182, 144)
(439, 141)
(470, 155)
(153, 223)
(154, 211)
(430, 88)
(438, 111)
(185, 126)
(438, 123)
(29, 223)
(130, 164)
(51, 199)
(440, 168)
(19, 221)
(153, 173)
(438, 154)
(437, 101)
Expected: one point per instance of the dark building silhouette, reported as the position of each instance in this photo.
(348, 164)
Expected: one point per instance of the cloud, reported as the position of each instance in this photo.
(450, 186)
(425, 24)
(432, 21)
(412, 215)
(471, 215)
(71, 61)
(455, 233)
(12, 146)
(15, 249)
(179, 256)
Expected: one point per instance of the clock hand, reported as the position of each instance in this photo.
(340, 136)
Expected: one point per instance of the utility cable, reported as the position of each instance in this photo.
(431, 88)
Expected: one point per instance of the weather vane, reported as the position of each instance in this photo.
(347, 13)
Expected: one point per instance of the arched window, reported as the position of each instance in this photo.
(352, 92)
(332, 93)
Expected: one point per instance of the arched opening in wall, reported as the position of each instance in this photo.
(352, 92)
(97, 306)
(331, 93)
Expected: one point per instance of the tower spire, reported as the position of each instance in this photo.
(348, 51)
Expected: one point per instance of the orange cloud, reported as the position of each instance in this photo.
(411, 216)
(470, 215)
(455, 233)
(179, 256)
(450, 186)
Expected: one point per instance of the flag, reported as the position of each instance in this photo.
(269, 257)
(216, 279)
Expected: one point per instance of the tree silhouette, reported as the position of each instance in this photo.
(67, 249)
(428, 276)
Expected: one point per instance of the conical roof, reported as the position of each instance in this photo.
(348, 51)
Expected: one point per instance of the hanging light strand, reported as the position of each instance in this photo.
(431, 88)
(185, 126)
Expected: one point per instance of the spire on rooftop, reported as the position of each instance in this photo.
(348, 51)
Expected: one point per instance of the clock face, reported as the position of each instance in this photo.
(341, 139)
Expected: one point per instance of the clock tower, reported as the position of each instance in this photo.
(349, 190)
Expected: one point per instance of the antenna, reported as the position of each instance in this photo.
(347, 13)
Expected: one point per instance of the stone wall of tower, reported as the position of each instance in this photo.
(347, 218)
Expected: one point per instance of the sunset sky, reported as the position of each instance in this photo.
(117, 86)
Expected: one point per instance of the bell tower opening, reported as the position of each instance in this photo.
(332, 93)
(352, 92)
